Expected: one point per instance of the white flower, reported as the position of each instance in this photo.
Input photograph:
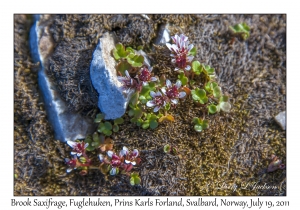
(172, 91)
(157, 101)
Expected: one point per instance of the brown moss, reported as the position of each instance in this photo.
(234, 150)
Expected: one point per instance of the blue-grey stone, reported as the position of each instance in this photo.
(112, 99)
(163, 35)
(280, 119)
(66, 125)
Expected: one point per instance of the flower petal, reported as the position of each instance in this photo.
(127, 161)
(133, 163)
(69, 170)
(190, 58)
(174, 101)
(152, 94)
(135, 152)
(150, 104)
(168, 83)
(188, 68)
(169, 46)
(153, 79)
(110, 153)
(127, 74)
(113, 171)
(101, 157)
(156, 108)
(182, 94)
(176, 69)
(178, 84)
(72, 143)
(163, 90)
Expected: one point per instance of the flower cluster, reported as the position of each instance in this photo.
(142, 78)
(171, 94)
(81, 163)
(123, 162)
(181, 52)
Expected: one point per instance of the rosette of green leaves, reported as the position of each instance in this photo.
(93, 141)
(120, 52)
(133, 59)
(241, 29)
(135, 179)
(199, 95)
(212, 87)
(200, 124)
(107, 128)
(197, 67)
(150, 121)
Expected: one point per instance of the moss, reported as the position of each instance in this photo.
(234, 150)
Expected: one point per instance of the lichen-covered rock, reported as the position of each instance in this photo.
(112, 101)
(280, 119)
(67, 125)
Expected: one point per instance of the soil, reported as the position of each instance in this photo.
(235, 150)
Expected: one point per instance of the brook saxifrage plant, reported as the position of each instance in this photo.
(152, 99)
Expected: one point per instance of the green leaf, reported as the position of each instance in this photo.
(167, 148)
(193, 51)
(184, 80)
(135, 60)
(145, 125)
(139, 122)
(199, 95)
(138, 113)
(143, 99)
(168, 106)
(205, 124)
(197, 67)
(217, 92)
(119, 51)
(224, 98)
(241, 29)
(115, 128)
(212, 109)
(99, 118)
(107, 132)
(108, 125)
(129, 50)
(225, 106)
(131, 112)
(198, 128)
(95, 144)
(96, 137)
(122, 67)
(208, 87)
(196, 120)
(134, 98)
(101, 127)
(153, 124)
(153, 117)
(119, 120)
(209, 69)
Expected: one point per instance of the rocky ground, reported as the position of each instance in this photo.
(235, 150)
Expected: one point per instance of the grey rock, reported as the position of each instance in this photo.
(163, 36)
(67, 125)
(112, 99)
(280, 119)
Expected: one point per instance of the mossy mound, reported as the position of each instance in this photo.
(233, 151)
